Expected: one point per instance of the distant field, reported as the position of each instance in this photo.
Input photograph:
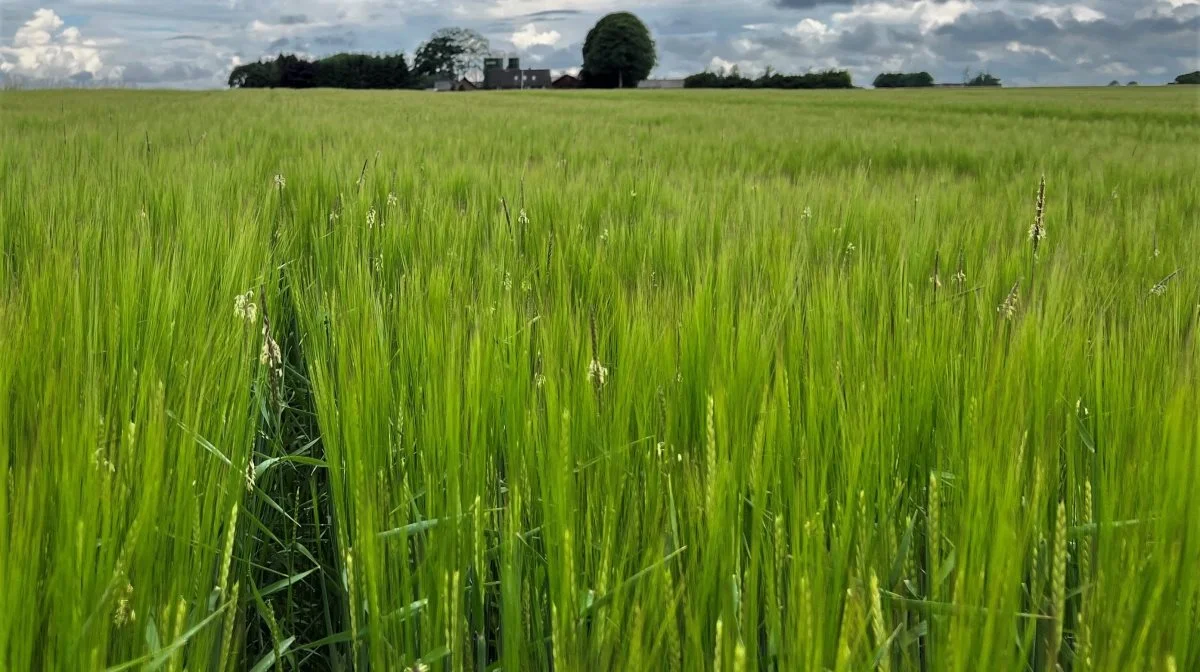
(659, 380)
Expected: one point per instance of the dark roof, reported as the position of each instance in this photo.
(565, 80)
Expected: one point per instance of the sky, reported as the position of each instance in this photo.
(195, 43)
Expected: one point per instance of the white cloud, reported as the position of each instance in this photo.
(516, 8)
(1169, 8)
(529, 36)
(811, 29)
(1019, 48)
(744, 46)
(928, 14)
(42, 48)
(273, 31)
(1059, 13)
(718, 64)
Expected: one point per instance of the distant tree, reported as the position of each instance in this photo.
(1189, 78)
(453, 52)
(473, 47)
(436, 57)
(1131, 84)
(984, 79)
(1114, 83)
(618, 52)
(893, 80)
(253, 76)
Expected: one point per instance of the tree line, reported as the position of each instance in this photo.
(898, 80)
(826, 79)
(902, 80)
(341, 71)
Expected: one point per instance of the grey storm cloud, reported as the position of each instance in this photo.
(878, 40)
(553, 14)
(335, 40)
(683, 26)
(685, 48)
(813, 4)
(542, 56)
(809, 4)
(293, 19)
(1147, 41)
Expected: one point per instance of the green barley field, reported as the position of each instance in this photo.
(600, 381)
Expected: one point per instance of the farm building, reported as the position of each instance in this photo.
(513, 77)
(566, 81)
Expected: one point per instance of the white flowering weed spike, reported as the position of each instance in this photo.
(597, 373)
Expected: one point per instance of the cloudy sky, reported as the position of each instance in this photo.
(195, 43)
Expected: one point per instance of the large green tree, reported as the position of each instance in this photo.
(618, 52)
(454, 52)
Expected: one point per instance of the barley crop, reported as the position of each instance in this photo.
(769, 386)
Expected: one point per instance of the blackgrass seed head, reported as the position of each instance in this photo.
(1008, 307)
(1037, 232)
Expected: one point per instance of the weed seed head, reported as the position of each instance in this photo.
(245, 308)
(597, 373)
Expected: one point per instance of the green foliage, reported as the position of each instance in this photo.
(827, 79)
(340, 71)
(451, 53)
(983, 79)
(1189, 78)
(618, 52)
(516, 400)
(438, 56)
(893, 80)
